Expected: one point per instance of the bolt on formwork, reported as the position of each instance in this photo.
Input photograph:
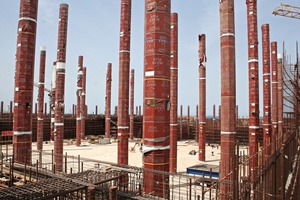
(123, 93)
(60, 85)
(173, 92)
(23, 92)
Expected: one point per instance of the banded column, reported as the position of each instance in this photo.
(253, 79)
(228, 100)
(40, 117)
(60, 86)
(123, 97)
(108, 101)
(83, 106)
(79, 96)
(173, 92)
(274, 111)
(266, 91)
(280, 100)
(24, 74)
(52, 101)
(131, 104)
(156, 120)
(202, 96)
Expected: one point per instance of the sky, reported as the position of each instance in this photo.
(93, 32)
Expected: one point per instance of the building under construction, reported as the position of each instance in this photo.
(47, 153)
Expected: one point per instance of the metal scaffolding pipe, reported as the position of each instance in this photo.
(173, 92)
(79, 96)
(228, 99)
(253, 79)
(266, 91)
(23, 91)
(156, 120)
(123, 96)
(108, 100)
(202, 95)
(131, 104)
(83, 106)
(40, 116)
(60, 86)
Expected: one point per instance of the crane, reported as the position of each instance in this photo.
(287, 11)
(45, 89)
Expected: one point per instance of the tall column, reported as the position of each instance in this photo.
(202, 96)
(280, 100)
(228, 99)
(108, 101)
(180, 120)
(2, 104)
(83, 106)
(188, 122)
(266, 91)
(140, 110)
(45, 109)
(52, 101)
(60, 86)
(253, 79)
(274, 111)
(131, 104)
(197, 124)
(40, 117)
(24, 74)
(156, 120)
(123, 97)
(173, 92)
(96, 110)
(79, 96)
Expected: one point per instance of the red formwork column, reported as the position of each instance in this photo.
(280, 99)
(60, 86)
(52, 101)
(173, 92)
(79, 96)
(108, 100)
(197, 124)
(83, 106)
(1, 111)
(188, 122)
(253, 79)
(267, 128)
(202, 96)
(274, 111)
(228, 100)
(156, 120)
(40, 115)
(131, 104)
(123, 97)
(180, 123)
(24, 74)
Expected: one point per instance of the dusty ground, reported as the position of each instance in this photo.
(108, 152)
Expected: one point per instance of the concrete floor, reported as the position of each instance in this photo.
(108, 152)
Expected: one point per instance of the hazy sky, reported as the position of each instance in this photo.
(93, 32)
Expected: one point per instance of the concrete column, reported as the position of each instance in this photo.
(108, 100)
(23, 91)
(123, 96)
(228, 99)
(40, 116)
(131, 104)
(79, 96)
(60, 86)
(173, 92)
